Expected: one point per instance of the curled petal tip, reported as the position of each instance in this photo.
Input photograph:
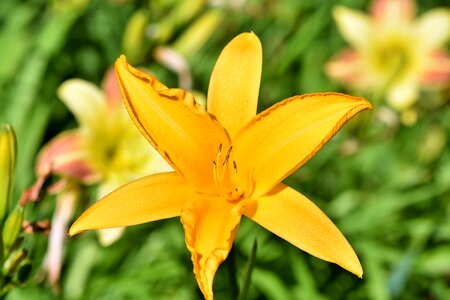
(366, 104)
(120, 60)
(363, 102)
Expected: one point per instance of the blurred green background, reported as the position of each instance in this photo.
(385, 185)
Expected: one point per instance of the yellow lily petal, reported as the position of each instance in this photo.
(293, 217)
(403, 94)
(354, 26)
(288, 134)
(181, 130)
(234, 85)
(210, 225)
(433, 28)
(109, 236)
(147, 199)
(84, 100)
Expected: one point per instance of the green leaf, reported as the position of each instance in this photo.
(271, 286)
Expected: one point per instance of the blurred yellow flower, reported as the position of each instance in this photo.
(228, 162)
(392, 52)
(105, 150)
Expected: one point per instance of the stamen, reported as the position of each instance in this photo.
(225, 179)
(229, 151)
(216, 175)
(227, 156)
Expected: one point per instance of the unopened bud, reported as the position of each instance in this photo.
(13, 261)
(198, 33)
(133, 37)
(69, 5)
(12, 228)
(163, 30)
(7, 167)
(184, 12)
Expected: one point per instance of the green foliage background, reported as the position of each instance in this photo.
(391, 198)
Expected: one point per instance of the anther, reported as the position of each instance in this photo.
(219, 150)
(227, 156)
(229, 151)
(234, 166)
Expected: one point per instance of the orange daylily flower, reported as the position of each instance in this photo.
(228, 162)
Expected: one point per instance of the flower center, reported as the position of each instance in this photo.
(393, 57)
(117, 148)
(225, 175)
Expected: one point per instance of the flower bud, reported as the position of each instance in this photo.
(12, 228)
(184, 12)
(164, 29)
(7, 166)
(198, 33)
(69, 5)
(133, 37)
(13, 261)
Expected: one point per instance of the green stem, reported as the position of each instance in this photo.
(248, 272)
(232, 274)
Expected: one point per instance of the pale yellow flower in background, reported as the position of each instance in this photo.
(228, 162)
(392, 52)
(105, 150)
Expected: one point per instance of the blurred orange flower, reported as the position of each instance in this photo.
(229, 162)
(392, 52)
